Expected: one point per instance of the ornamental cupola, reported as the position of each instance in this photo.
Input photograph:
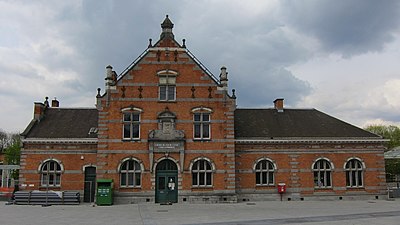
(167, 26)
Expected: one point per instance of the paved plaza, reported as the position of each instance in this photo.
(254, 213)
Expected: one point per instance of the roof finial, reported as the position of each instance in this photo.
(167, 26)
(150, 44)
(183, 43)
(46, 102)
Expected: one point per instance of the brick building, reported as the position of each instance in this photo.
(167, 130)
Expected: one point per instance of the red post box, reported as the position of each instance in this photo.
(281, 188)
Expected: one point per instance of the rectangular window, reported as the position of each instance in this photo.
(201, 179)
(201, 126)
(328, 179)
(131, 127)
(258, 178)
(194, 179)
(44, 179)
(167, 93)
(130, 179)
(123, 179)
(359, 181)
(137, 176)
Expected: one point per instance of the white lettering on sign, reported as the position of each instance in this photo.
(166, 145)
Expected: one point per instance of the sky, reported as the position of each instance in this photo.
(338, 56)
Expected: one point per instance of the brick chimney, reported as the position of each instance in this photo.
(278, 104)
(38, 110)
(223, 77)
(109, 77)
(55, 103)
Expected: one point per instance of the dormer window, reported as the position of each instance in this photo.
(167, 85)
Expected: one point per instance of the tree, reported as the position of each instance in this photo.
(3, 140)
(12, 152)
(392, 166)
(388, 132)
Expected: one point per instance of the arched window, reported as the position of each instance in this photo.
(354, 173)
(322, 174)
(130, 173)
(265, 173)
(202, 173)
(51, 174)
(166, 164)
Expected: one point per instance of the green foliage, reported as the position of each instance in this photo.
(388, 132)
(3, 140)
(392, 167)
(12, 153)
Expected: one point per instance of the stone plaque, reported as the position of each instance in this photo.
(167, 146)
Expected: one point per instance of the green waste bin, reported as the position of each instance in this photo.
(104, 194)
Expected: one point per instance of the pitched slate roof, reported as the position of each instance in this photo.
(293, 123)
(64, 123)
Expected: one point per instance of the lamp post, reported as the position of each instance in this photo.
(47, 191)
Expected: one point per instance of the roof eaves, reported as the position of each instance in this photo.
(133, 64)
(309, 140)
(203, 67)
(28, 128)
(61, 140)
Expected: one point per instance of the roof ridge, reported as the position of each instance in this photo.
(272, 108)
(75, 108)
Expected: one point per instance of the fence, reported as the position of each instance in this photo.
(6, 172)
(393, 189)
(85, 190)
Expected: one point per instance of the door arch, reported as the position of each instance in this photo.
(166, 182)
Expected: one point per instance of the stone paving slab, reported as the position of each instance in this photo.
(255, 213)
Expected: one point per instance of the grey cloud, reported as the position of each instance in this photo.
(255, 60)
(117, 32)
(257, 49)
(261, 87)
(345, 27)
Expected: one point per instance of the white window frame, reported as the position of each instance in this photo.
(137, 169)
(357, 171)
(322, 175)
(198, 172)
(168, 88)
(202, 124)
(167, 83)
(132, 123)
(267, 170)
(55, 173)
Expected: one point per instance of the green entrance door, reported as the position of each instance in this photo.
(166, 182)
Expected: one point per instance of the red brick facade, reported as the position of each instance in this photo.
(166, 107)
(294, 167)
